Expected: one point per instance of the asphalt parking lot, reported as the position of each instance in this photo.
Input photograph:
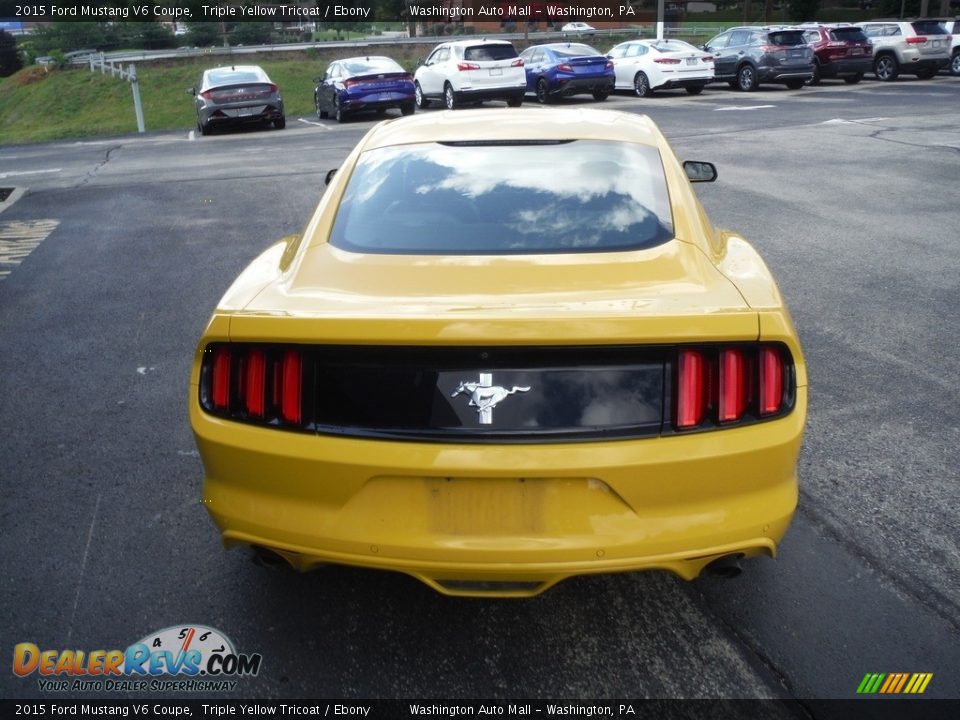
(120, 247)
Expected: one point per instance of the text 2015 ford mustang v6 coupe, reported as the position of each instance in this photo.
(509, 348)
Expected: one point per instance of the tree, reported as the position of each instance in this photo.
(10, 60)
(804, 10)
(251, 33)
(203, 34)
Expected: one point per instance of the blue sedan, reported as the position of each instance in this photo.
(363, 83)
(562, 69)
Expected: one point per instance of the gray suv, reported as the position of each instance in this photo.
(918, 47)
(748, 56)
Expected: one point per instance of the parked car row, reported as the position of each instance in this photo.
(471, 71)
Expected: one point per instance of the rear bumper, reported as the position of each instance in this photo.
(503, 93)
(379, 100)
(778, 73)
(234, 115)
(503, 520)
(848, 66)
(685, 83)
(575, 86)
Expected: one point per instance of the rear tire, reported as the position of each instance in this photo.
(338, 112)
(280, 124)
(515, 101)
(853, 79)
(926, 74)
(543, 94)
(408, 108)
(886, 68)
(694, 90)
(955, 63)
(747, 78)
(815, 80)
(794, 84)
(449, 97)
(641, 85)
(601, 95)
(204, 129)
(420, 101)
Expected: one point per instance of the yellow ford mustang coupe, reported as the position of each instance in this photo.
(509, 348)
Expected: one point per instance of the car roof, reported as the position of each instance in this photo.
(364, 58)
(477, 41)
(558, 45)
(502, 125)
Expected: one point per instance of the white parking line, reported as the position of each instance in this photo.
(856, 121)
(743, 107)
(28, 172)
(316, 124)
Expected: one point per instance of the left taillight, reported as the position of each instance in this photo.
(254, 383)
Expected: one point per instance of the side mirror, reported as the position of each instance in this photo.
(329, 176)
(699, 171)
(420, 61)
(317, 80)
(192, 91)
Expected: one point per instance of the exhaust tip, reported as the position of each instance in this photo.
(726, 566)
(267, 558)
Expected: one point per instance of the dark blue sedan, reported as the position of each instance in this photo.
(360, 84)
(562, 69)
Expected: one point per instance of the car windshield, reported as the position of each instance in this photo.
(489, 52)
(575, 50)
(372, 65)
(851, 34)
(235, 77)
(481, 198)
(673, 46)
(788, 37)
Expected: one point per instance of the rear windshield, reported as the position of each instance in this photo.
(234, 77)
(576, 50)
(929, 27)
(496, 199)
(788, 37)
(373, 65)
(490, 52)
(672, 45)
(851, 34)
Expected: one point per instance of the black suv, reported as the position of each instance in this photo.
(748, 56)
(839, 51)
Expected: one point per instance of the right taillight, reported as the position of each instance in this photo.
(727, 385)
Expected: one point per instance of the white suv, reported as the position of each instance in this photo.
(471, 71)
(920, 47)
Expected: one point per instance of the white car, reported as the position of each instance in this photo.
(578, 28)
(647, 65)
(471, 71)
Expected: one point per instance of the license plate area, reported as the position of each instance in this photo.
(496, 71)
(691, 61)
(487, 506)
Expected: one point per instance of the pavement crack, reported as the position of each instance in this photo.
(83, 569)
(106, 158)
(877, 136)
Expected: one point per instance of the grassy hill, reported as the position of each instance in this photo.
(37, 104)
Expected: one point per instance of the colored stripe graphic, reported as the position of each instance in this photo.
(894, 683)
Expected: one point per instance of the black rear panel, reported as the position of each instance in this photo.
(463, 394)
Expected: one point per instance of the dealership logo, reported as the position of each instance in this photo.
(484, 395)
(894, 683)
(181, 658)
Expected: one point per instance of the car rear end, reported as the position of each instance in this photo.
(784, 57)
(581, 69)
(489, 71)
(843, 51)
(493, 419)
(378, 86)
(928, 46)
(680, 65)
(238, 96)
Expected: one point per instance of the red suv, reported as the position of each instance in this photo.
(839, 51)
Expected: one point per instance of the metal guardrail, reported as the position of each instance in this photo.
(130, 75)
(218, 51)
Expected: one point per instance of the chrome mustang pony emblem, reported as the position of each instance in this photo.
(484, 395)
